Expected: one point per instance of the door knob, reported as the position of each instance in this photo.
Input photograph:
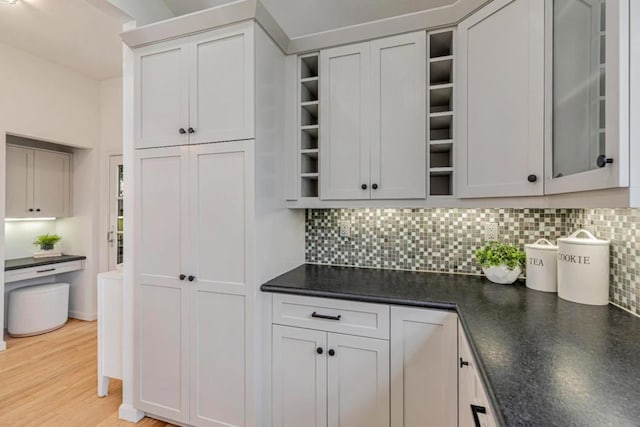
(191, 278)
(182, 131)
(602, 161)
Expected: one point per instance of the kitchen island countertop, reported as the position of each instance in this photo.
(544, 361)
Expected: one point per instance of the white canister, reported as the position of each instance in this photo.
(542, 272)
(583, 269)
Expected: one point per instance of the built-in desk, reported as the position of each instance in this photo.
(31, 268)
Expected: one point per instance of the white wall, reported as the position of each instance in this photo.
(19, 237)
(43, 100)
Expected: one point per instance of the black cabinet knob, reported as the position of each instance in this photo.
(331, 352)
(463, 362)
(374, 186)
(182, 131)
(38, 210)
(192, 130)
(363, 186)
(182, 276)
(30, 209)
(532, 178)
(319, 350)
(191, 278)
(602, 161)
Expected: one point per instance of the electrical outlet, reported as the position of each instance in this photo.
(345, 228)
(490, 231)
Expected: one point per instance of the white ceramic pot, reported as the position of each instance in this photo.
(542, 266)
(501, 274)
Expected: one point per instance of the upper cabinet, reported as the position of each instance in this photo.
(500, 100)
(587, 104)
(196, 89)
(372, 120)
(38, 183)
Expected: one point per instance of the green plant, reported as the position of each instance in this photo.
(47, 240)
(495, 253)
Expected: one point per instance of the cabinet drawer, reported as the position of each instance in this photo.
(346, 317)
(42, 270)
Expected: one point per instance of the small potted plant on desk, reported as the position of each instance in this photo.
(46, 242)
(501, 262)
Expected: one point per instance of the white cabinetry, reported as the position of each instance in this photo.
(321, 375)
(500, 100)
(191, 294)
(38, 183)
(474, 409)
(372, 119)
(343, 363)
(196, 89)
(423, 367)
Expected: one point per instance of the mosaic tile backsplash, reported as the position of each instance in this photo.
(445, 240)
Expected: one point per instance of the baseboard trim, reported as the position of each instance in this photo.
(129, 413)
(89, 317)
(3, 346)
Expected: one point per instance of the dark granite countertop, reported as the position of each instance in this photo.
(544, 361)
(18, 263)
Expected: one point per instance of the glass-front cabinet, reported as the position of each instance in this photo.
(587, 99)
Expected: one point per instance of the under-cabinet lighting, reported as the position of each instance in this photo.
(27, 219)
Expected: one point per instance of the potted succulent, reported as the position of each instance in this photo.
(501, 262)
(47, 241)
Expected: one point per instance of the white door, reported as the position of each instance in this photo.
(51, 184)
(161, 321)
(398, 111)
(344, 154)
(19, 183)
(500, 100)
(161, 105)
(221, 85)
(423, 367)
(299, 377)
(357, 381)
(115, 235)
(221, 313)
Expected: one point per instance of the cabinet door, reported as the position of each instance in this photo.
(161, 102)
(19, 182)
(299, 377)
(51, 184)
(221, 85)
(344, 150)
(500, 100)
(161, 329)
(221, 301)
(588, 102)
(357, 381)
(398, 111)
(472, 397)
(423, 367)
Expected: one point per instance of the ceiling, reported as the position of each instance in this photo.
(71, 33)
(83, 35)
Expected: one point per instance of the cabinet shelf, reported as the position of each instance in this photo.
(309, 106)
(309, 66)
(309, 164)
(438, 121)
(312, 153)
(440, 44)
(309, 89)
(444, 145)
(441, 71)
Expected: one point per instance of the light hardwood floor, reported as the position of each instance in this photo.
(51, 380)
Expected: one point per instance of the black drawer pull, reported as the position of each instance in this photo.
(324, 316)
(463, 363)
(475, 410)
(44, 271)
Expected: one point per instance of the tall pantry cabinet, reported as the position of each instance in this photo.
(201, 206)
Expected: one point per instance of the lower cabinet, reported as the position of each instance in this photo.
(423, 367)
(474, 409)
(328, 379)
(325, 375)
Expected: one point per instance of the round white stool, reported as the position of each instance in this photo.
(35, 310)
